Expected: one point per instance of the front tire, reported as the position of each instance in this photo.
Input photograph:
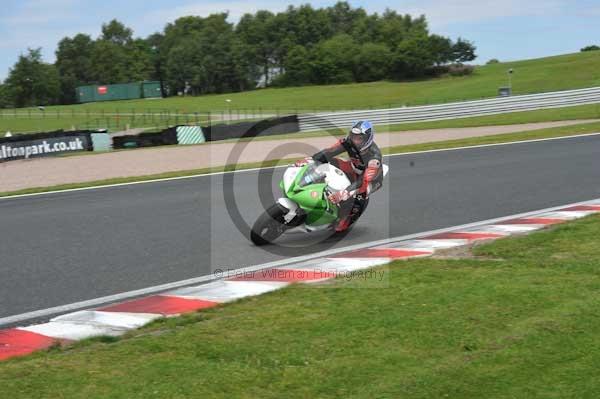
(269, 226)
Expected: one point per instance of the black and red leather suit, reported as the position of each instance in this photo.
(363, 168)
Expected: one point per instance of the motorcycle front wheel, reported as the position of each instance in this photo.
(269, 226)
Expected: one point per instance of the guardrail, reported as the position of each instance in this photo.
(529, 102)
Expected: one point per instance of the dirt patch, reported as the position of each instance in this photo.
(463, 252)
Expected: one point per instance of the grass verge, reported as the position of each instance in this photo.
(520, 320)
(505, 138)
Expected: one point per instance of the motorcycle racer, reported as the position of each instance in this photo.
(363, 168)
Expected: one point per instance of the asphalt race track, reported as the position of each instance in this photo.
(62, 248)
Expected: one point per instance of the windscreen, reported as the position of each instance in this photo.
(311, 176)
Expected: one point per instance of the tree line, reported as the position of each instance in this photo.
(593, 47)
(200, 55)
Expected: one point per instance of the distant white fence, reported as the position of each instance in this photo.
(493, 106)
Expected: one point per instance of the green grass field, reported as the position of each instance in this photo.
(562, 72)
(518, 320)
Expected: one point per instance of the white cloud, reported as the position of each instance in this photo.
(36, 12)
(442, 13)
(35, 23)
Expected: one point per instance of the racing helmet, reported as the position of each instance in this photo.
(362, 134)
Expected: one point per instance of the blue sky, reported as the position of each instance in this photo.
(504, 29)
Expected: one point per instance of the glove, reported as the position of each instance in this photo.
(302, 162)
(339, 196)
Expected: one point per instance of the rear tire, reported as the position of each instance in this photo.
(269, 226)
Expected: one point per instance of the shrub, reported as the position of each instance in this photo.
(590, 48)
(460, 70)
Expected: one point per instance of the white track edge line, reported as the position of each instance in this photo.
(203, 279)
(71, 190)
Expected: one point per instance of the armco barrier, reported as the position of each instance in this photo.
(37, 145)
(530, 102)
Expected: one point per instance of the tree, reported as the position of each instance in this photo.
(257, 32)
(139, 61)
(33, 82)
(109, 62)
(206, 59)
(463, 51)
(396, 29)
(590, 48)
(334, 60)
(412, 58)
(368, 29)
(344, 18)
(117, 33)
(217, 44)
(183, 66)
(493, 61)
(441, 49)
(5, 98)
(162, 44)
(244, 72)
(372, 62)
(118, 58)
(305, 25)
(155, 42)
(74, 65)
(297, 68)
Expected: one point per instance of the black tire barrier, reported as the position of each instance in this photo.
(266, 127)
(166, 137)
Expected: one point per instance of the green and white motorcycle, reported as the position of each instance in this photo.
(305, 204)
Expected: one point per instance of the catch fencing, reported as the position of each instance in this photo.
(390, 116)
